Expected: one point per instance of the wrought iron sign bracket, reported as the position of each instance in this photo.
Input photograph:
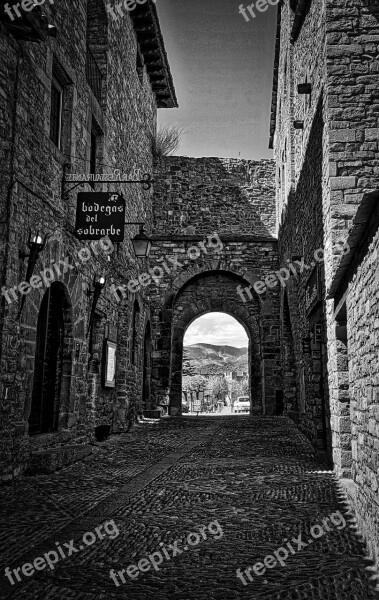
(65, 193)
(146, 182)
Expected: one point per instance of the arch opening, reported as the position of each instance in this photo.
(146, 383)
(217, 291)
(52, 373)
(216, 371)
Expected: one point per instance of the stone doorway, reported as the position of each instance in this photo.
(52, 361)
(146, 385)
(341, 419)
(217, 291)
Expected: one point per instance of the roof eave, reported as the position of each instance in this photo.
(274, 99)
(149, 35)
(356, 233)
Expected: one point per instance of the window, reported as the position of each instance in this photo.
(302, 395)
(293, 5)
(56, 112)
(139, 65)
(97, 49)
(307, 97)
(135, 324)
(285, 182)
(94, 75)
(93, 152)
(59, 114)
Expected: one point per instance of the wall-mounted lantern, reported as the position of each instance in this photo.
(141, 243)
(36, 244)
(304, 88)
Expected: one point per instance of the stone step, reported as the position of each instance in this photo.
(53, 459)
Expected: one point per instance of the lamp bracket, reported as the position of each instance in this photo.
(66, 192)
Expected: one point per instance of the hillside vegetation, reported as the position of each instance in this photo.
(216, 359)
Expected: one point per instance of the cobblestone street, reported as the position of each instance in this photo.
(257, 477)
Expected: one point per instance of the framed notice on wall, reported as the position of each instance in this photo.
(109, 364)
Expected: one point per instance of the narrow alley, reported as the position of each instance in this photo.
(243, 491)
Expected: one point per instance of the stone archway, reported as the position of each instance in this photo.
(216, 291)
(146, 383)
(253, 363)
(53, 362)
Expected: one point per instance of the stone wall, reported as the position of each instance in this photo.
(333, 46)
(300, 166)
(356, 296)
(215, 194)
(216, 283)
(352, 71)
(214, 228)
(353, 77)
(324, 170)
(362, 326)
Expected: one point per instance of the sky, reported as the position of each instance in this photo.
(216, 328)
(222, 68)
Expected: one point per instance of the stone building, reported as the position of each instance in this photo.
(325, 132)
(236, 375)
(80, 90)
(96, 88)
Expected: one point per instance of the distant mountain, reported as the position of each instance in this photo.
(217, 359)
(205, 349)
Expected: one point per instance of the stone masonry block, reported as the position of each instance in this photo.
(343, 183)
(343, 424)
(372, 135)
(342, 135)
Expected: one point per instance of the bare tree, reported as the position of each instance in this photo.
(235, 390)
(245, 388)
(218, 388)
(194, 387)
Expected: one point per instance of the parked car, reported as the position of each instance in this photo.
(242, 404)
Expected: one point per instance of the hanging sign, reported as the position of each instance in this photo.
(100, 214)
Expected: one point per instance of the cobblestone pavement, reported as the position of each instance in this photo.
(258, 477)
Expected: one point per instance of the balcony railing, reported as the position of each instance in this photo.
(94, 75)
